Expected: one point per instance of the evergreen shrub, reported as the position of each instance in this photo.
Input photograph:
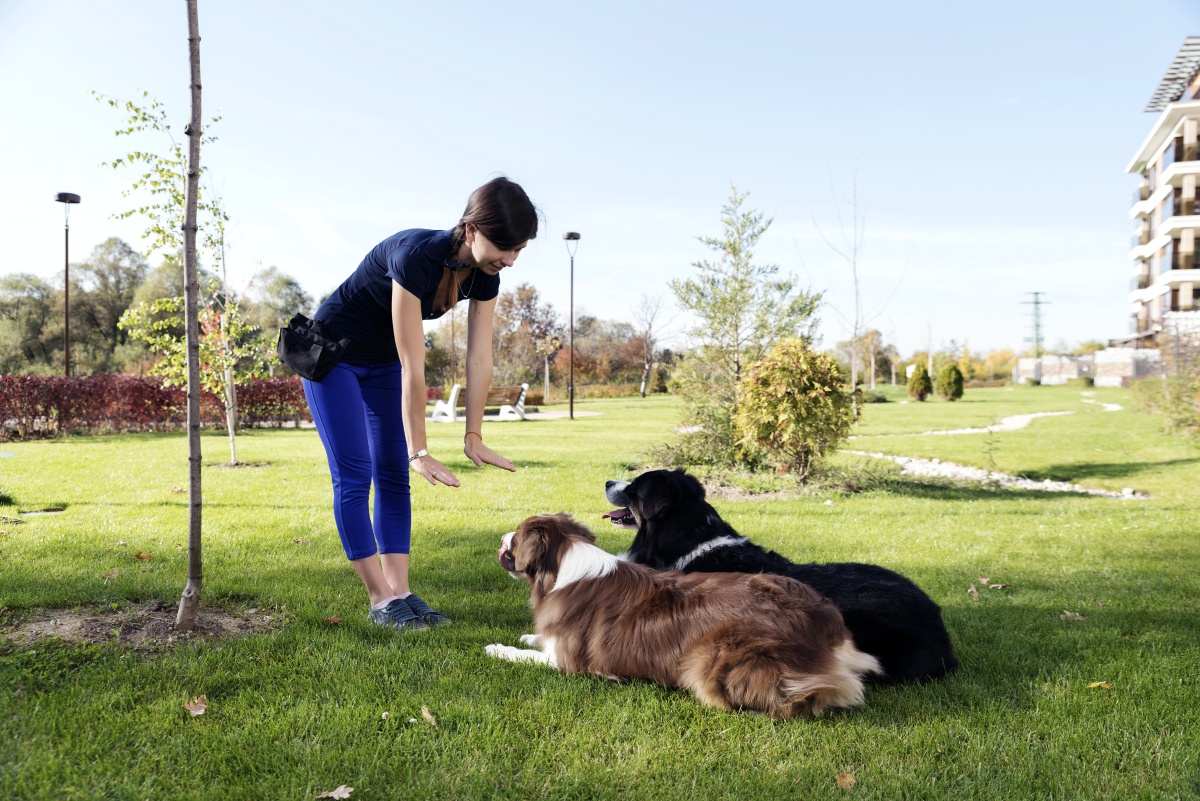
(793, 405)
(919, 384)
(950, 382)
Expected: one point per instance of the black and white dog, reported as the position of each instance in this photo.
(889, 617)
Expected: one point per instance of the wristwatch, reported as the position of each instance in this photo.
(418, 455)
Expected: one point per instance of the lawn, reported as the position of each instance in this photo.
(299, 710)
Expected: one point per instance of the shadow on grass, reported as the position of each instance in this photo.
(1076, 472)
(6, 499)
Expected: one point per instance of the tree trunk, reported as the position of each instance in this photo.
(645, 377)
(231, 414)
(189, 603)
(546, 380)
(872, 369)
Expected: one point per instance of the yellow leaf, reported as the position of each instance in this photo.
(176, 490)
(845, 781)
(429, 718)
(198, 706)
(341, 791)
(145, 557)
(1102, 684)
(974, 593)
(333, 620)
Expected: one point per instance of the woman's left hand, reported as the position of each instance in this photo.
(481, 454)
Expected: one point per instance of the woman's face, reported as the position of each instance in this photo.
(486, 256)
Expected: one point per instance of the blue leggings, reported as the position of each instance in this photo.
(357, 413)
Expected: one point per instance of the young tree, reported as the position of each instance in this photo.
(229, 353)
(950, 382)
(920, 385)
(793, 404)
(647, 316)
(189, 602)
(850, 250)
(741, 310)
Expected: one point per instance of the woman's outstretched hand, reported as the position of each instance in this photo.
(434, 471)
(481, 454)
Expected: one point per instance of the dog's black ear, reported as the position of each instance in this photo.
(655, 493)
(690, 484)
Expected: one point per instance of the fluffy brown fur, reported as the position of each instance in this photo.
(737, 641)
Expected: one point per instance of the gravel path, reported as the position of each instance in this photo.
(936, 468)
(1011, 423)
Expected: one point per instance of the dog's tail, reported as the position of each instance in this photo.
(839, 687)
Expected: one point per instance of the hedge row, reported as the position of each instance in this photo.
(103, 403)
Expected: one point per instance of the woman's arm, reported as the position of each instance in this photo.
(410, 344)
(479, 381)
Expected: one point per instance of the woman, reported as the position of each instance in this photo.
(370, 409)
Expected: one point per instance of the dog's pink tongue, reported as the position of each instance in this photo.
(615, 513)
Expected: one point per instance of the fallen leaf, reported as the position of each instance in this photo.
(300, 541)
(385, 716)
(983, 580)
(333, 620)
(341, 791)
(3, 533)
(145, 557)
(1069, 615)
(998, 586)
(829, 503)
(120, 543)
(429, 718)
(1103, 684)
(112, 574)
(845, 781)
(412, 720)
(198, 706)
(176, 490)
(974, 593)
(179, 546)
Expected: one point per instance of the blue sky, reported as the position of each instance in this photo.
(989, 140)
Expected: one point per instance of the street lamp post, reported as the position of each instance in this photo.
(66, 198)
(572, 242)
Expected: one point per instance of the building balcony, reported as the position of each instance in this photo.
(1164, 128)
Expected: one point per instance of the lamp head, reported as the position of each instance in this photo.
(571, 235)
(66, 197)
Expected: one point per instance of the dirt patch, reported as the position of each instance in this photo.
(240, 464)
(140, 626)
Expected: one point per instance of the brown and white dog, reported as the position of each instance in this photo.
(736, 640)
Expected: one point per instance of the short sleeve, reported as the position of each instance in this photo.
(411, 269)
(486, 290)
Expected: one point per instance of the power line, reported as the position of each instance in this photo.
(1037, 303)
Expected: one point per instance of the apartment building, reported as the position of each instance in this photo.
(1165, 288)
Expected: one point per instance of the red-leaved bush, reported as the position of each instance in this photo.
(106, 403)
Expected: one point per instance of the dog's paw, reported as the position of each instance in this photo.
(532, 640)
(496, 650)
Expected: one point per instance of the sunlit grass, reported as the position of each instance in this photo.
(298, 711)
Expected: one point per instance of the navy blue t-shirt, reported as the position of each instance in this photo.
(361, 308)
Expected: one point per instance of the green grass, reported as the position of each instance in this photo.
(298, 711)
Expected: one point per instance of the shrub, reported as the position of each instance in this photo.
(1176, 398)
(103, 403)
(793, 404)
(919, 383)
(1081, 381)
(950, 382)
(874, 397)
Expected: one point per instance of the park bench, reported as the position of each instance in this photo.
(510, 400)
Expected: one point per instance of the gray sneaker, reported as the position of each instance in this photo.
(397, 615)
(431, 617)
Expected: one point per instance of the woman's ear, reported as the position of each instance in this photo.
(470, 234)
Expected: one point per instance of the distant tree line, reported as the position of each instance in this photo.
(531, 337)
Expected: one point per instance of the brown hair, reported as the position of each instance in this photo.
(502, 212)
